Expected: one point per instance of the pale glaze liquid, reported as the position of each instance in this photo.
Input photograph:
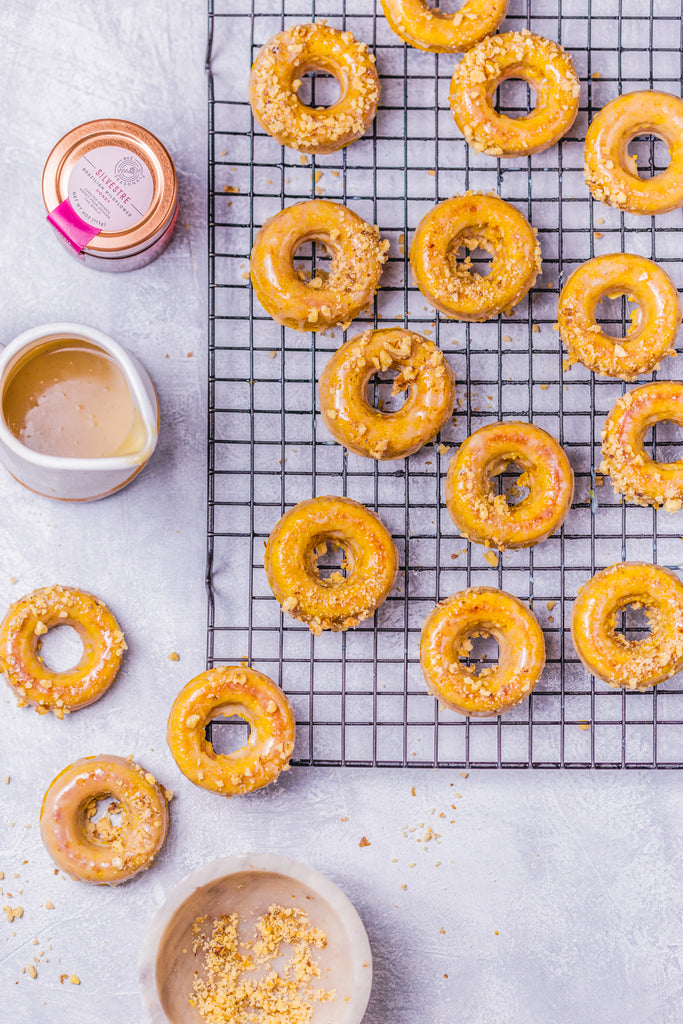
(69, 398)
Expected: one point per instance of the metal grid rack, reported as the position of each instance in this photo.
(359, 696)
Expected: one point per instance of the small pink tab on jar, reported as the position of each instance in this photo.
(76, 232)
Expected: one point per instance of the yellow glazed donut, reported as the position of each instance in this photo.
(429, 28)
(652, 335)
(633, 472)
(487, 518)
(471, 221)
(607, 653)
(20, 638)
(291, 563)
(276, 77)
(544, 65)
(358, 255)
(232, 690)
(446, 638)
(100, 851)
(423, 372)
(612, 175)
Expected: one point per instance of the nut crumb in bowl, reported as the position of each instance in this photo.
(240, 985)
(237, 911)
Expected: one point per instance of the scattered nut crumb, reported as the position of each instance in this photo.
(364, 841)
(173, 656)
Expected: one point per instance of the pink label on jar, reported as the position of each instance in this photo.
(72, 230)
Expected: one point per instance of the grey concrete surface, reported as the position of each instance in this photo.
(557, 896)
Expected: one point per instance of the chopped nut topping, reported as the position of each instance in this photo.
(255, 981)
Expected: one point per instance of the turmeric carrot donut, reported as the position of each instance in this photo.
(358, 255)
(548, 69)
(232, 690)
(471, 221)
(20, 639)
(423, 372)
(276, 78)
(100, 851)
(487, 518)
(604, 650)
(631, 469)
(612, 174)
(303, 535)
(446, 639)
(654, 328)
(429, 28)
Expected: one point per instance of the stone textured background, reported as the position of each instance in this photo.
(558, 897)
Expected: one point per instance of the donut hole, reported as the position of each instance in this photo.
(61, 648)
(332, 562)
(618, 315)
(664, 442)
(313, 263)
(103, 819)
(228, 733)
(511, 481)
(446, 8)
(515, 98)
(470, 254)
(318, 88)
(478, 653)
(634, 622)
(648, 156)
(379, 392)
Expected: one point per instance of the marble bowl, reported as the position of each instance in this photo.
(249, 885)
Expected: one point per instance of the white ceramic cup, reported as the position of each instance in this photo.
(248, 886)
(75, 479)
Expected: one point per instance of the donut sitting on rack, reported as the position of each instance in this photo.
(336, 297)
(276, 79)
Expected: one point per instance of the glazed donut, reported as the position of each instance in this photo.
(429, 28)
(544, 65)
(291, 563)
(487, 518)
(652, 335)
(276, 77)
(612, 175)
(633, 473)
(232, 690)
(423, 372)
(358, 254)
(446, 636)
(474, 220)
(606, 652)
(34, 683)
(100, 851)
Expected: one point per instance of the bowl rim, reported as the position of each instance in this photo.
(271, 863)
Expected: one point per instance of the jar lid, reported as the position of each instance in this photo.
(110, 187)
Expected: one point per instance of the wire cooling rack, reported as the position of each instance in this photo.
(359, 696)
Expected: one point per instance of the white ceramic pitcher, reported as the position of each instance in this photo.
(77, 479)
